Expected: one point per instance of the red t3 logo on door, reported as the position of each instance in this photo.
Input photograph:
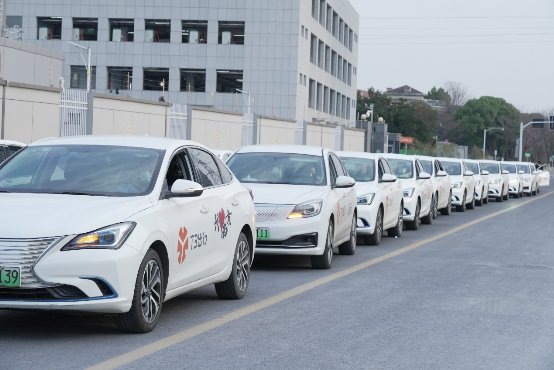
(182, 245)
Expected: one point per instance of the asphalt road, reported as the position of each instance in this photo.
(474, 290)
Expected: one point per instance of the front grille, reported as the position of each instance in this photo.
(24, 253)
(272, 212)
(60, 292)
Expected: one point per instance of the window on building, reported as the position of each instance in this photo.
(346, 28)
(306, 33)
(349, 74)
(79, 77)
(339, 68)
(329, 23)
(344, 106)
(231, 33)
(194, 32)
(14, 21)
(120, 78)
(321, 55)
(229, 81)
(322, 15)
(300, 79)
(327, 58)
(193, 80)
(313, 49)
(348, 108)
(350, 33)
(332, 101)
(311, 94)
(334, 61)
(326, 99)
(302, 31)
(122, 29)
(157, 30)
(49, 28)
(341, 30)
(85, 29)
(344, 71)
(338, 106)
(319, 101)
(155, 79)
(315, 10)
(335, 24)
(304, 82)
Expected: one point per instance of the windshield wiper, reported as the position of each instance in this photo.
(75, 193)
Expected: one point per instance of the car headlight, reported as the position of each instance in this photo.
(409, 192)
(307, 209)
(366, 199)
(457, 185)
(109, 237)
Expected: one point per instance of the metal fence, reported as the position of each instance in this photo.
(178, 120)
(73, 112)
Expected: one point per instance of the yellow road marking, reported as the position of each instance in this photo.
(182, 336)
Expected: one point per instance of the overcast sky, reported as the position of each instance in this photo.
(502, 48)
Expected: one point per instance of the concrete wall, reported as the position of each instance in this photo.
(274, 131)
(30, 113)
(128, 117)
(321, 135)
(216, 130)
(353, 140)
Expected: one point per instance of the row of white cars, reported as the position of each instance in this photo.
(121, 224)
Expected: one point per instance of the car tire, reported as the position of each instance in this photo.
(236, 285)
(436, 206)
(414, 225)
(448, 209)
(396, 231)
(349, 247)
(500, 198)
(462, 207)
(325, 260)
(140, 318)
(507, 196)
(471, 205)
(486, 199)
(375, 238)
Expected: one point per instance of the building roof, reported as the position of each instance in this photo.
(405, 91)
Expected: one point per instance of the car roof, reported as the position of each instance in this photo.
(448, 159)
(365, 155)
(152, 142)
(12, 142)
(425, 157)
(297, 149)
(488, 161)
(399, 156)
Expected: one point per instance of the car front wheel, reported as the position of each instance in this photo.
(325, 260)
(397, 230)
(349, 247)
(375, 238)
(148, 297)
(236, 285)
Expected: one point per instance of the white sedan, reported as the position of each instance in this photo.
(498, 180)
(463, 183)
(529, 177)
(120, 224)
(305, 202)
(481, 178)
(442, 185)
(417, 188)
(380, 203)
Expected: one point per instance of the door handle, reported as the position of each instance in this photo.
(204, 209)
(235, 202)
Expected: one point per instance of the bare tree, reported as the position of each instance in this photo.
(458, 93)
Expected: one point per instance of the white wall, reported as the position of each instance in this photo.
(216, 130)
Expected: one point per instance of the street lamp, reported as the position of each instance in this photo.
(485, 136)
(521, 127)
(87, 64)
(247, 93)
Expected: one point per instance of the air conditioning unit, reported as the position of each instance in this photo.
(75, 34)
(43, 33)
(226, 37)
(148, 35)
(116, 34)
(193, 36)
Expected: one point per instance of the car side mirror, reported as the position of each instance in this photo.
(468, 173)
(344, 182)
(504, 172)
(441, 173)
(387, 177)
(485, 172)
(424, 176)
(185, 188)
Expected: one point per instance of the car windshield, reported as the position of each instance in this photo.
(278, 168)
(402, 168)
(493, 168)
(452, 168)
(511, 168)
(427, 166)
(361, 169)
(523, 167)
(82, 169)
(473, 167)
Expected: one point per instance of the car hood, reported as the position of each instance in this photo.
(285, 194)
(363, 188)
(456, 178)
(408, 183)
(47, 215)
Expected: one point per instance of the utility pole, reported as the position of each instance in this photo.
(87, 62)
(521, 128)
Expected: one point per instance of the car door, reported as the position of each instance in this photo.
(189, 225)
(386, 188)
(444, 183)
(343, 215)
(220, 202)
(425, 188)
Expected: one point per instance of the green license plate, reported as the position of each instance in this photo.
(262, 233)
(10, 277)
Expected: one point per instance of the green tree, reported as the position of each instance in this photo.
(381, 104)
(485, 112)
(439, 94)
